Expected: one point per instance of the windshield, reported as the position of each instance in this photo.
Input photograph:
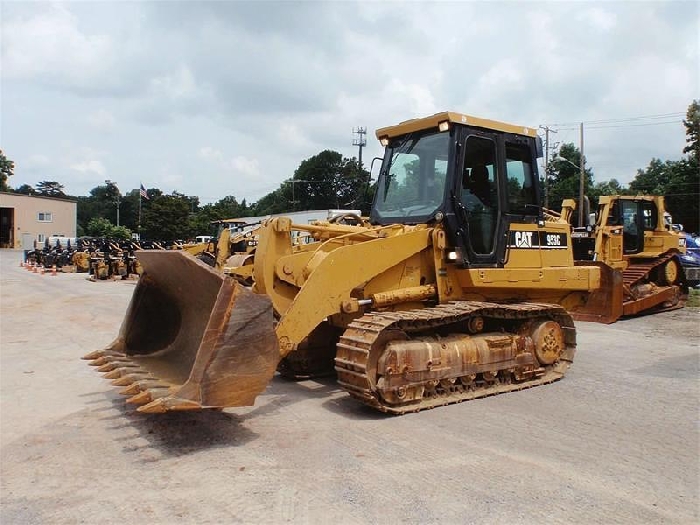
(412, 181)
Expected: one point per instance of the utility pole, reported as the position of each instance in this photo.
(546, 129)
(581, 184)
(360, 141)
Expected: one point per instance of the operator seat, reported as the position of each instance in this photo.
(476, 198)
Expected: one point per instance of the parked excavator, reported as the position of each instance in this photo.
(630, 234)
(455, 287)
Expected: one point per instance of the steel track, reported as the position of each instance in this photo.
(356, 373)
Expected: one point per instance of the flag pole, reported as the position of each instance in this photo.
(139, 228)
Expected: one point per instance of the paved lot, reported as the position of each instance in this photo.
(616, 441)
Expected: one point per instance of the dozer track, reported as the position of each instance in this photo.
(642, 293)
(400, 362)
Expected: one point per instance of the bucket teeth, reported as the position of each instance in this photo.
(165, 404)
(93, 355)
(105, 352)
(100, 361)
(147, 396)
(129, 378)
(142, 398)
(113, 374)
(108, 367)
(123, 369)
(143, 384)
(131, 390)
(124, 381)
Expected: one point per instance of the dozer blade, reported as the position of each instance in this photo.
(192, 338)
(603, 305)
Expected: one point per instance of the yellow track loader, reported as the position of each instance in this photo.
(629, 234)
(455, 287)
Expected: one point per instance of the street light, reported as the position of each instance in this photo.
(112, 183)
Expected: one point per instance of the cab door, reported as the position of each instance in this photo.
(479, 197)
(632, 227)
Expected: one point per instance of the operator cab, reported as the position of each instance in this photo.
(635, 217)
(477, 175)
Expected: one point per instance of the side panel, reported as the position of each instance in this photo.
(332, 281)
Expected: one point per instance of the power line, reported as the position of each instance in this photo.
(626, 119)
(624, 125)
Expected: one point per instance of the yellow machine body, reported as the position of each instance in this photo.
(455, 287)
(629, 235)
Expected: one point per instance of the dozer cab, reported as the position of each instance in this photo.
(455, 287)
(630, 235)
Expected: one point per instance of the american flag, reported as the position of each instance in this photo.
(144, 193)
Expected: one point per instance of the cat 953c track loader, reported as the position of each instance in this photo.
(630, 235)
(454, 288)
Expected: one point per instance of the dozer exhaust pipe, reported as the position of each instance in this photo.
(192, 338)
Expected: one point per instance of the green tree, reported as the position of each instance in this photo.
(226, 208)
(278, 201)
(167, 217)
(25, 189)
(610, 187)
(692, 130)
(101, 227)
(565, 176)
(325, 181)
(50, 188)
(7, 169)
(677, 180)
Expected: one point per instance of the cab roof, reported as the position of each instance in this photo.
(420, 124)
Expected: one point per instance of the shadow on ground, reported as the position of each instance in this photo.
(180, 433)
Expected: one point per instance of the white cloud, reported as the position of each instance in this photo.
(179, 84)
(50, 45)
(249, 168)
(262, 87)
(417, 99)
(211, 154)
(238, 165)
(35, 161)
(90, 167)
(599, 18)
(101, 120)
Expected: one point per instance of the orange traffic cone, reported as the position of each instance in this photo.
(53, 270)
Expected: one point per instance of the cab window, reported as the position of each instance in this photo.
(521, 181)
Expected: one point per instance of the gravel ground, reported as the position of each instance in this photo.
(616, 441)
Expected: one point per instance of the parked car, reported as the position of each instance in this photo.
(691, 260)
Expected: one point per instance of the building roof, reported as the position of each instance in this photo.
(64, 199)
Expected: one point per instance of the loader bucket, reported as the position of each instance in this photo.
(603, 305)
(192, 338)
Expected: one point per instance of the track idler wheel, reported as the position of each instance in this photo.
(549, 342)
(670, 272)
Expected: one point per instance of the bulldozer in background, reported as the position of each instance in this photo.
(631, 235)
(454, 288)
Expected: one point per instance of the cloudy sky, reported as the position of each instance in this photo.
(227, 98)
